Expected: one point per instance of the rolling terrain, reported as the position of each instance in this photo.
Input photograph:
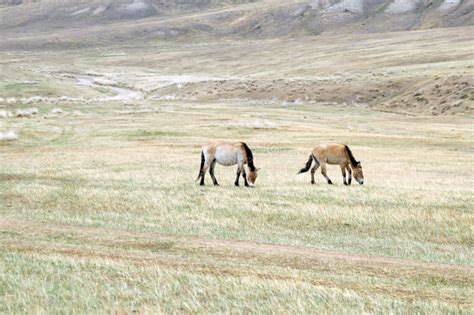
(104, 106)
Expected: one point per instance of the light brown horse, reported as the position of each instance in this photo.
(228, 154)
(334, 154)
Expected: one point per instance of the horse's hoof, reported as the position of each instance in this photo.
(312, 183)
(216, 184)
(236, 184)
(329, 182)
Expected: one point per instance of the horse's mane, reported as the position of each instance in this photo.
(351, 157)
(249, 157)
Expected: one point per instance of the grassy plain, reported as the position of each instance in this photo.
(99, 211)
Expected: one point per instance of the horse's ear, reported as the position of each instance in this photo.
(258, 169)
(358, 164)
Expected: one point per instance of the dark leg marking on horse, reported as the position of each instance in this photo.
(211, 171)
(204, 170)
(237, 178)
(244, 175)
(343, 170)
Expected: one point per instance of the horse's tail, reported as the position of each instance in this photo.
(351, 156)
(202, 165)
(308, 164)
(249, 157)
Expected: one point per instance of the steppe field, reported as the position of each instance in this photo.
(100, 146)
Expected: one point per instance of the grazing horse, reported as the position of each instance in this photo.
(334, 154)
(227, 154)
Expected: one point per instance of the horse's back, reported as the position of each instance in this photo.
(330, 153)
(224, 153)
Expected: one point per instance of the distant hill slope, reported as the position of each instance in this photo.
(30, 23)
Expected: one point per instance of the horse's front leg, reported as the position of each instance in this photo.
(343, 170)
(244, 175)
(238, 175)
(323, 171)
(349, 171)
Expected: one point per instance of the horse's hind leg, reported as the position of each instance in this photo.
(323, 171)
(313, 170)
(343, 170)
(204, 170)
(211, 171)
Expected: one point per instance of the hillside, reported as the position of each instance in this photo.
(89, 23)
(388, 55)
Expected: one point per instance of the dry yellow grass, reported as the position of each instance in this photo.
(99, 211)
(104, 190)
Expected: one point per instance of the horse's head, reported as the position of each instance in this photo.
(358, 174)
(252, 177)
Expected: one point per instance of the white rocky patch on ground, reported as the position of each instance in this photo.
(5, 114)
(56, 111)
(354, 6)
(104, 81)
(137, 5)
(85, 82)
(138, 8)
(151, 81)
(121, 94)
(143, 82)
(319, 4)
(27, 112)
(402, 6)
(41, 99)
(81, 11)
(449, 4)
(19, 113)
(253, 124)
(99, 10)
(8, 135)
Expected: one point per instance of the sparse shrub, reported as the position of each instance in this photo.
(26, 113)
